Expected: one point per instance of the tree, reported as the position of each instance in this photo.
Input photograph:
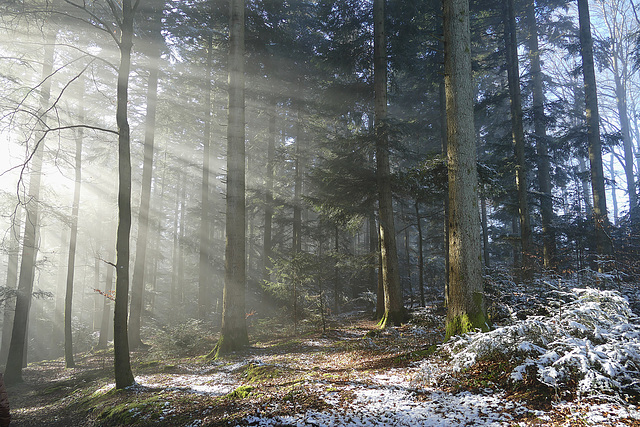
(465, 309)
(540, 137)
(137, 282)
(68, 300)
(122, 363)
(517, 132)
(233, 334)
(394, 312)
(11, 283)
(17, 347)
(603, 240)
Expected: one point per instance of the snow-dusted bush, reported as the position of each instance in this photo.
(591, 343)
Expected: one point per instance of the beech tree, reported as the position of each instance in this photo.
(17, 347)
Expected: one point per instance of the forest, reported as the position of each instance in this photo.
(320, 212)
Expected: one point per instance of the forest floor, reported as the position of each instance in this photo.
(353, 374)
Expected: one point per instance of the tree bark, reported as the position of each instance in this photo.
(465, 310)
(420, 254)
(394, 311)
(603, 241)
(268, 206)
(122, 364)
(540, 136)
(68, 300)
(138, 279)
(18, 346)
(513, 75)
(11, 283)
(106, 306)
(204, 267)
(621, 100)
(234, 335)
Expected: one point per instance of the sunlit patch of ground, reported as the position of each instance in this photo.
(349, 376)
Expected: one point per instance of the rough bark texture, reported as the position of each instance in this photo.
(18, 344)
(394, 312)
(138, 279)
(465, 310)
(234, 335)
(122, 363)
(603, 241)
(540, 136)
(517, 131)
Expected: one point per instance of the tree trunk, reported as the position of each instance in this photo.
(540, 136)
(394, 311)
(513, 74)
(485, 231)
(11, 283)
(106, 306)
(621, 99)
(614, 198)
(465, 310)
(268, 206)
(297, 196)
(443, 137)
(17, 348)
(420, 254)
(234, 335)
(603, 241)
(122, 364)
(204, 266)
(68, 300)
(138, 280)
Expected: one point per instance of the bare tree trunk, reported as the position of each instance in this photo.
(106, 306)
(420, 254)
(138, 280)
(234, 335)
(621, 99)
(204, 266)
(614, 198)
(485, 232)
(297, 197)
(17, 348)
(542, 150)
(68, 300)
(394, 311)
(603, 241)
(268, 208)
(11, 283)
(122, 364)
(465, 310)
(511, 44)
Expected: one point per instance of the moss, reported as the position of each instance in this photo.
(241, 392)
(260, 373)
(393, 318)
(467, 322)
(129, 412)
